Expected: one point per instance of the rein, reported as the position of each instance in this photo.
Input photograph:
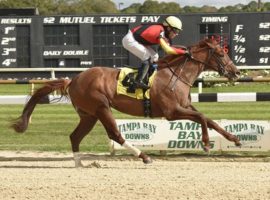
(178, 76)
(211, 53)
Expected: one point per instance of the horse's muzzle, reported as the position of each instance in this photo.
(232, 75)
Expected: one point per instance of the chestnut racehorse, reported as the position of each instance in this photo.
(93, 93)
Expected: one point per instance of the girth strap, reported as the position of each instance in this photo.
(147, 107)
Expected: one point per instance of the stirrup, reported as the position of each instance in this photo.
(142, 85)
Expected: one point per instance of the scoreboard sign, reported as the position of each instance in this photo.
(85, 41)
(244, 36)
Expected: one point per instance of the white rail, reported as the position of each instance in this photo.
(51, 70)
(195, 97)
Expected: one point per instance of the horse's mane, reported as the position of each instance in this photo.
(168, 59)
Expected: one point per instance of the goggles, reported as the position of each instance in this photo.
(175, 30)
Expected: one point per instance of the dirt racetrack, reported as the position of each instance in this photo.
(53, 176)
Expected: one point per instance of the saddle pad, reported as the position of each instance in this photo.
(138, 92)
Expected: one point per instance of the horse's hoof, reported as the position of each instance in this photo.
(238, 144)
(147, 160)
(206, 149)
(79, 165)
(94, 165)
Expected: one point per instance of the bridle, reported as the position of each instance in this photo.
(211, 53)
(220, 65)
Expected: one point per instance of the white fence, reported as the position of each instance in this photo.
(53, 70)
(195, 97)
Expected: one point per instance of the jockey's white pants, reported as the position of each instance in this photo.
(139, 50)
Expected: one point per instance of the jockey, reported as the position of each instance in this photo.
(138, 41)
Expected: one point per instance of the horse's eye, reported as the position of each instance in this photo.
(221, 53)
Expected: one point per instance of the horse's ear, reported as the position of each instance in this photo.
(212, 46)
(211, 43)
(218, 49)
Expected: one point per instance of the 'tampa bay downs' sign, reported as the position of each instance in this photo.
(186, 135)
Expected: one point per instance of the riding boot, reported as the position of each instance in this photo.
(142, 72)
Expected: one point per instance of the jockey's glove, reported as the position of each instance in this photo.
(188, 54)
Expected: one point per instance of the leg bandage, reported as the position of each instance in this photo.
(131, 148)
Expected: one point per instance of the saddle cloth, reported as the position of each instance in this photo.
(121, 89)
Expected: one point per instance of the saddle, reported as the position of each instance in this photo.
(126, 83)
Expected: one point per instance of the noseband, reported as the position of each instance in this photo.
(221, 65)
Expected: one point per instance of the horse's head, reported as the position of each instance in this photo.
(218, 60)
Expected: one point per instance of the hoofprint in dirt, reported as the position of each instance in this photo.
(131, 179)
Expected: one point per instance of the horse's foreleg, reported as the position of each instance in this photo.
(105, 116)
(85, 125)
(215, 126)
(184, 113)
(227, 135)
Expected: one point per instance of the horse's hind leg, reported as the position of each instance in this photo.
(83, 128)
(105, 116)
(215, 126)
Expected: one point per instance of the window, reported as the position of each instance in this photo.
(51, 63)
(23, 46)
(107, 45)
(72, 62)
(55, 35)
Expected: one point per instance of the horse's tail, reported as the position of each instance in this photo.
(20, 124)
